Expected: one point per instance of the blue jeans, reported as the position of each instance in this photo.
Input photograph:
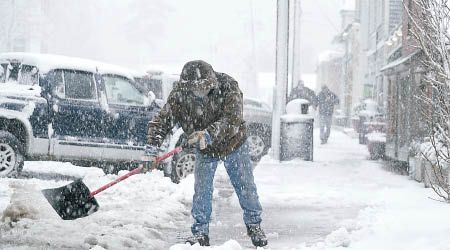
(325, 126)
(239, 169)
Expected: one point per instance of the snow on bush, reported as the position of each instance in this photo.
(376, 137)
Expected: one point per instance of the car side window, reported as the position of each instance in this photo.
(2, 72)
(56, 78)
(20, 73)
(120, 90)
(79, 85)
(28, 75)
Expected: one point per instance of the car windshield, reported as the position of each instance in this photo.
(19, 72)
(120, 90)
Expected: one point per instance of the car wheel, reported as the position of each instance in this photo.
(256, 145)
(11, 155)
(182, 165)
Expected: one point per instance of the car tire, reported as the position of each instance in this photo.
(182, 165)
(258, 145)
(11, 155)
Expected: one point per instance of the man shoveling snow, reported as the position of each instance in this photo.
(208, 105)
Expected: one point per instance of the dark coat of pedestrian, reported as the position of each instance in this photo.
(303, 92)
(208, 105)
(326, 101)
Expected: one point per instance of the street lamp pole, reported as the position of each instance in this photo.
(281, 77)
(296, 62)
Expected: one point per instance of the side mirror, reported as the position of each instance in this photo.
(150, 99)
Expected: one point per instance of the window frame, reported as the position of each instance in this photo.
(133, 84)
(62, 71)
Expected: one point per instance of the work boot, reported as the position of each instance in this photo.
(257, 235)
(202, 239)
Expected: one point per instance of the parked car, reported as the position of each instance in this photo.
(70, 109)
(258, 116)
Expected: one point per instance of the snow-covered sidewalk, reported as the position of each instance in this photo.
(339, 201)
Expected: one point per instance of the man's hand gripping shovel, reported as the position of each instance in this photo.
(74, 200)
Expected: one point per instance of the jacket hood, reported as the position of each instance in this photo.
(198, 75)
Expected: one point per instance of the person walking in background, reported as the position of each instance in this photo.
(326, 101)
(303, 92)
(209, 107)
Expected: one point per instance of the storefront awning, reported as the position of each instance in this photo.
(399, 61)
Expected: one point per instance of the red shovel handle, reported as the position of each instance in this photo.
(137, 170)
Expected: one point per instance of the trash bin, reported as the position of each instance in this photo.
(362, 129)
(296, 132)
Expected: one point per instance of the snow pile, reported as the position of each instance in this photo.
(25, 203)
(133, 214)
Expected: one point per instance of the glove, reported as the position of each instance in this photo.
(199, 139)
(148, 160)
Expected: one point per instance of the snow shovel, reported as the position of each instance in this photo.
(74, 200)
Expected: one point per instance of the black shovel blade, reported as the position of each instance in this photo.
(71, 201)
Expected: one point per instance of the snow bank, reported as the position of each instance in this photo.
(133, 214)
(26, 202)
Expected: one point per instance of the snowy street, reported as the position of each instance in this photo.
(339, 200)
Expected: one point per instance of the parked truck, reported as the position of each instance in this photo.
(70, 109)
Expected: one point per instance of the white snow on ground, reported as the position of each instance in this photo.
(133, 214)
(140, 213)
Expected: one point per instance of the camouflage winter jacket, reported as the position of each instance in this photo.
(221, 113)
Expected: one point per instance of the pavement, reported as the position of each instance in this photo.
(289, 224)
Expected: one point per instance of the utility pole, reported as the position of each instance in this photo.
(253, 61)
(296, 72)
(281, 78)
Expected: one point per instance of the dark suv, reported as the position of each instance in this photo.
(70, 109)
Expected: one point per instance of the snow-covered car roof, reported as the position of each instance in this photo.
(47, 62)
